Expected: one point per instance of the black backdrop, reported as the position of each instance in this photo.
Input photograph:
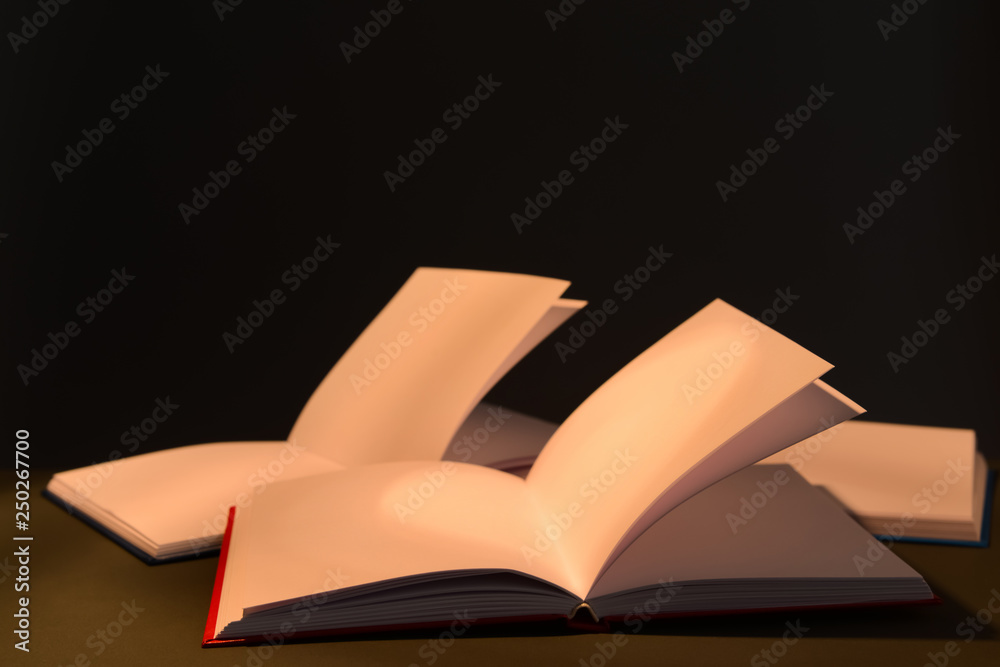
(223, 70)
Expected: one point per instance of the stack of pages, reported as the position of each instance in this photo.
(392, 503)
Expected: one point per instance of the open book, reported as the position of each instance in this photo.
(591, 527)
(450, 334)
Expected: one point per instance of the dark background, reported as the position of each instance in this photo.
(323, 175)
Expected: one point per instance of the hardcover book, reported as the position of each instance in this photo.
(609, 512)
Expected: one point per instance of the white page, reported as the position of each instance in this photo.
(379, 523)
(440, 341)
(183, 494)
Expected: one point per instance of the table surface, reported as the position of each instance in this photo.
(83, 586)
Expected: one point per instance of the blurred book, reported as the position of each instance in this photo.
(911, 483)
(449, 334)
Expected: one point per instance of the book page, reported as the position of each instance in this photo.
(815, 407)
(425, 360)
(693, 391)
(380, 525)
(764, 527)
(562, 310)
(182, 496)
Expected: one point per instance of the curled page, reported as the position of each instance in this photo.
(619, 462)
(412, 377)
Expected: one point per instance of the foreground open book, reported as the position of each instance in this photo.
(447, 334)
(417, 543)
